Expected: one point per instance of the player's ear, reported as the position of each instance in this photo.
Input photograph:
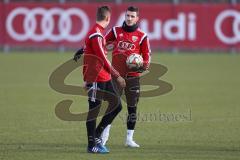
(108, 18)
(137, 18)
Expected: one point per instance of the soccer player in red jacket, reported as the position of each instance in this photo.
(97, 73)
(128, 39)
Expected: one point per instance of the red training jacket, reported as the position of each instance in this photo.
(126, 43)
(96, 67)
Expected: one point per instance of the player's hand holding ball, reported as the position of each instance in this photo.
(135, 63)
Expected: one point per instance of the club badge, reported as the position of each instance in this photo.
(134, 38)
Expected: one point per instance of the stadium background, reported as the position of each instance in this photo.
(198, 119)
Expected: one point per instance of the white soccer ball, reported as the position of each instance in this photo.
(134, 61)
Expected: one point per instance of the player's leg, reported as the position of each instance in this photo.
(106, 132)
(132, 93)
(94, 108)
(112, 111)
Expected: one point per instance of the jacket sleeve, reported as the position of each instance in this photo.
(146, 52)
(98, 48)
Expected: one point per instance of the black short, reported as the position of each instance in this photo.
(98, 91)
(132, 90)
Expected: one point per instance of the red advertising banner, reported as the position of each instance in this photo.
(188, 26)
(1, 24)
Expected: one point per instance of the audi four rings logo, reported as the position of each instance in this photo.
(47, 24)
(65, 25)
(235, 26)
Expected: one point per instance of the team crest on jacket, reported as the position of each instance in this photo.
(134, 38)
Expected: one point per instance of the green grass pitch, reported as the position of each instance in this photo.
(206, 96)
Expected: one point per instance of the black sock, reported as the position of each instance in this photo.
(132, 117)
(91, 121)
(98, 140)
(91, 125)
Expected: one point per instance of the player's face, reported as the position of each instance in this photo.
(131, 18)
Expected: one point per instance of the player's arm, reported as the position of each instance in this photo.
(146, 52)
(100, 52)
(97, 45)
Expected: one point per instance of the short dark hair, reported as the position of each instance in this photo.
(133, 9)
(102, 12)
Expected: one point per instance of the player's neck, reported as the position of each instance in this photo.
(127, 28)
(102, 24)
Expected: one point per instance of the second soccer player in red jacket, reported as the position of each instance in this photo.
(128, 39)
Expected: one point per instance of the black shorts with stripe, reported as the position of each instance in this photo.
(98, 91)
